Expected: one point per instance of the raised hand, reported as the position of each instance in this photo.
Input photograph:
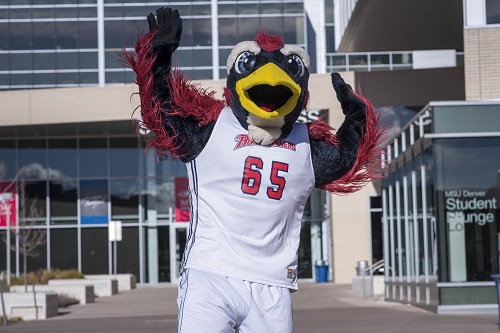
(349, 101)
(167, 25)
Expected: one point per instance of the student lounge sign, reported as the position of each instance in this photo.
(466, 209)
(465, 206)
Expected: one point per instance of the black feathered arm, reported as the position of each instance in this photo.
(180, 114)
(345, 162)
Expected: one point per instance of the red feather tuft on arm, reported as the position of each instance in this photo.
(320, 130)
(368, 165)
(141, 61)
(188, 99)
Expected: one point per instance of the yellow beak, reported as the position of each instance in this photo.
(268, 92)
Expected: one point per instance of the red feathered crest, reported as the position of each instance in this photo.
(268, 42)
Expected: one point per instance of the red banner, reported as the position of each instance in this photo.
(182, 206)
(7, 209)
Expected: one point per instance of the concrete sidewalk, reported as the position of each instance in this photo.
(317, 308)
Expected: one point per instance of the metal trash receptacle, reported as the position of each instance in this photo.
(362, 268)
(321, 271)
(496, 278)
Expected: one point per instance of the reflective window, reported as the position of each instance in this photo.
(200, 10)
(114, 11)
(468, 189)
(43, 12)
(21, 36)
(4, 78)
(44, 61)
(93, 158)
(165, 197)
(430, 208)
(293, 8)
(31, 155)
(127, 261)
(87, 60)
(202, 57)
(132, 30)
(67, 78)
(35, 202)
(227, 9)
(112, 60)
(187, 33)
(67, 60)
(293, 30)
(43, 78)
(271, 8)
(94, 201)
(63, 249)
(248, 27)
(125, 200)
(202, 35)
(304, 253)
(115, 77)
(223, 55)
(21, 61)
(7, 159)
(21, 80)
(39, 257)
(124, 157)
(95, 250)
(63, 201)
(66, 35)
(87, 37)
(88, 78)
(330, 39)
(183, 58)
(492, 12)
(329, 11)
(62, 158)
(16, 13)
(228, 32)
(113, 34)
(66, 12)
(44, 35)
(87, 11)
(160, 236)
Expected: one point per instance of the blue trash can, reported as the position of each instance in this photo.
(321, 271)
(495, 278)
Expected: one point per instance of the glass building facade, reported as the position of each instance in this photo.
(83, 175)
(80, 177)
(74, 43)
(441, 211)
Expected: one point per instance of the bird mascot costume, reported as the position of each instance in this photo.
(251, 167)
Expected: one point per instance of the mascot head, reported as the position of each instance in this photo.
(267, 81)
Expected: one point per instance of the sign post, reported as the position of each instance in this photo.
(7, 203)
(115, 235)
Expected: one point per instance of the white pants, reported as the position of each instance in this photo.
(213, 303)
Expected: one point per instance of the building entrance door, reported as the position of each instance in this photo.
(178, 237)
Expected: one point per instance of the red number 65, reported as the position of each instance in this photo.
(252, 176)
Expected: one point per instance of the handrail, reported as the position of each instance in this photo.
(372, 61)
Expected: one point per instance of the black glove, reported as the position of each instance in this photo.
(345, 94)
(168, 27)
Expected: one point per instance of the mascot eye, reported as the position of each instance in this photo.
(295, 65)
(245, 62)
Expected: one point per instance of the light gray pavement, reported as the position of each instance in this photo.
(324, 307)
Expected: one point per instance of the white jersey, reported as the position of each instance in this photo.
(247, 202)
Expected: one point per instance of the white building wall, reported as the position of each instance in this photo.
(315, 10)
